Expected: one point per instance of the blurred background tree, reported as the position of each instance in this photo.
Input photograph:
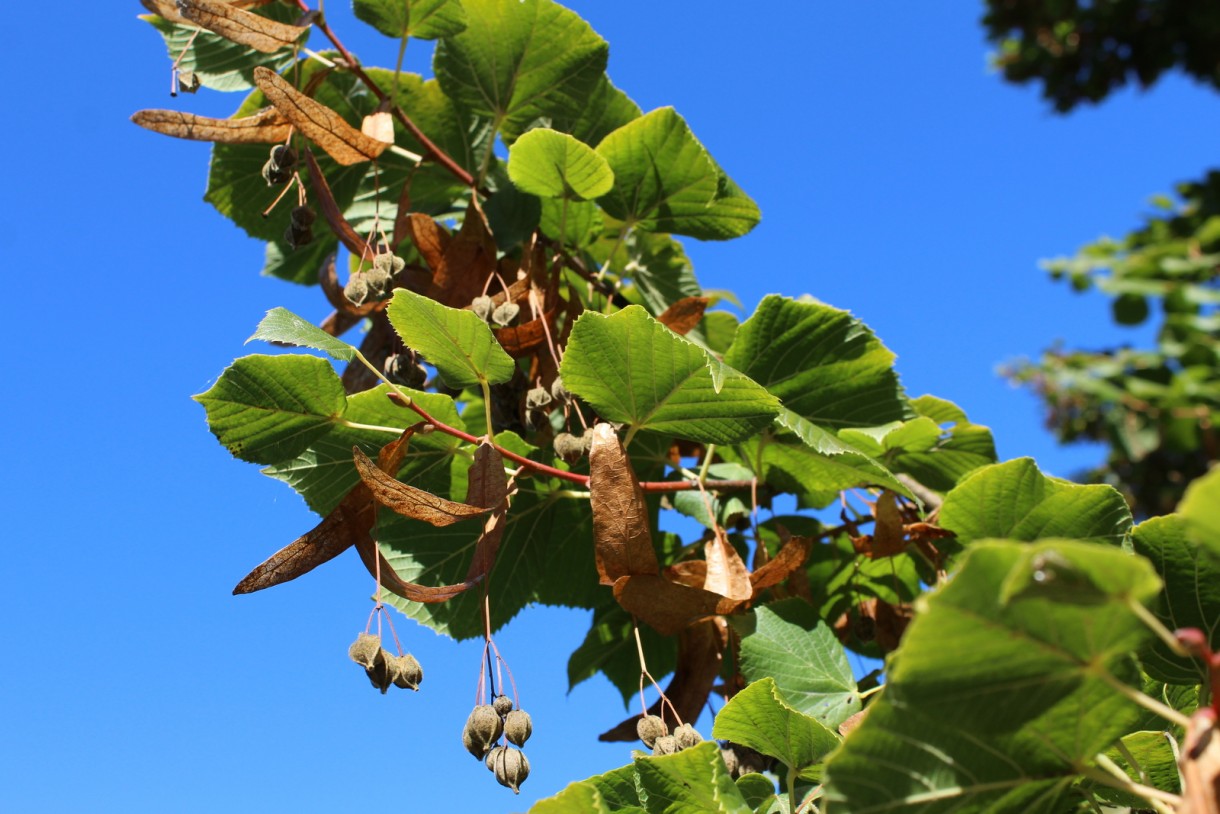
(1155, 408)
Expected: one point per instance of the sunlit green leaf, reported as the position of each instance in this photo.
(551, 164)
(423, 19)
(693, 781)
(1201, 509)
(455, 341)
(281, 325)
(759, 718)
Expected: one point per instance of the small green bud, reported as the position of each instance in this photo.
(483, 728)
(518, 727)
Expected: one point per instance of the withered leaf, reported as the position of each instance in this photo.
(317, 122)
(520, 340)
(430, 238)
(667, 607)
(687, 572)
(888, 533)
(240, 26)
(267, 126)
(408, 500)
(787, 560)
(726, 573)
(852, 722)
(379, 125)
(700, 653)
(1200, 764)
(334, 216)
(469, 260)
(487, 486)
(167, 9)
(348, 524)
(622, 541)
(682, 316)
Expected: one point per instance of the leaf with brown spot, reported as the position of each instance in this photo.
(1200, 764)
(330, 210)
(240, 26)
(347, 525)
(700, 654)
(787, 560)
(267, 126)
(726, 573)
(409, 501)
(622, 541)
(667, 607)
(682, 316)
(317, 122)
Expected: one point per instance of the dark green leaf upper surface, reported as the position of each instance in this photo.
(635, 370)
(423, 19)
(521, 60)
(997, 721)
(759, 718)
(458, 343)
(693, 781)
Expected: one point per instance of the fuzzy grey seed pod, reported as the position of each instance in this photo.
(275, 176)
(518, 727)
(365, 649)
(492, 757)
(568, 447)
(649, 728)
(483, 729)
(380, 673)
(505, 313)
(686, 736)
(401, 369)
(406, 672)
(666, 745)
(586, 439)
(483, 306)
(730, 760)
(558, 391)
(389, 263)
(502, 704)
(380, 282)
(357, 289)
(537, 398)
(188, 81)
(511, 768)
(303, 217)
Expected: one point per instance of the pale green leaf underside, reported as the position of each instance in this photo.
(635, 370)
(455, 341)
(997, 721)
(551, 164)
(281, 325)
(265, 409)
(757, 717)
(1201, 508)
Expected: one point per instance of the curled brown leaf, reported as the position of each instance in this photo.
(408, 500)
(267, 126)
(786, 561)
(667, 607)
(468, 261)
(622, 541)
(330, 210)
(727, 574)
(317, 122)
(241, 26)
(1200, 765)
(682, 316)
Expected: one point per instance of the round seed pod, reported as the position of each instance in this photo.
(483, 728)
(537, 398)
(274, 175)
(586, 439)
(492, 757)
(303, 217)
(558, 391)
(379, 281)
(482, 306)
(297, 237)
(357, 289)
(365, 649)
(687, 737)
(649, 728)
(730, 760)
(568, 447)
(389, 263)
(505, 313)
(665, 745)
(402, 369)
(518, 727)
(511, 768)
(502, 704)
(406, 672)
(379, 672)
(283, 157)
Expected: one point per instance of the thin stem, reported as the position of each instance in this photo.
(707, 460)
(1132, 760)
(402, 52)
(1147, 702)
(871, 691)
(491, 433)
(370, 427)
(1163, 633)
(1116, 778)
(791, 777)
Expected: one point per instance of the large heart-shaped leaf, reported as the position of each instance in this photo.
(458, 343)
(551, 164)
(759, 718)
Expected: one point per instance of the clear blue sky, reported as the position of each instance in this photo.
(897, 177)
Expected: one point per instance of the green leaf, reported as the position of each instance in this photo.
(610, 793)
(281, 325)
(220, 63)
(962, 449)
(456, 342)
(756, 789)
(1190, 598)
(519, 61)
(299, 265)
(572, 223)
(1154, 765)
(1017, 501)
(801, 654)
(1201, 509)
(997, 721)
(823, 364)
(323, 472)
(606, 109)
(633, 369)
(265, 409)
(693, 781)
(665, 181)
(757, 717)
(551, 164)
(422, 19)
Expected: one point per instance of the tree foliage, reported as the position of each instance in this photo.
(539, 375)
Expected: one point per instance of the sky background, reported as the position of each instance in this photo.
(898, 177)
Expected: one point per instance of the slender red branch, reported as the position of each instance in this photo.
(433, 151)
(550, 471)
